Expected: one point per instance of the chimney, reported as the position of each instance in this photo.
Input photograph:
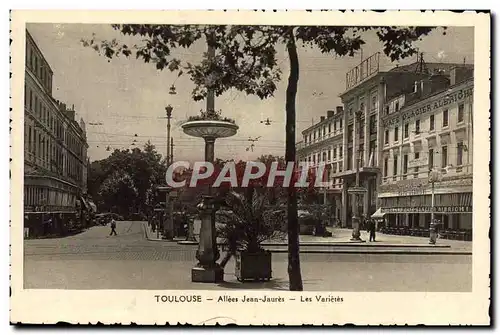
(425, 87)
(322, 119)
(330, 113)
(71, 114)
(339, 109)
(459, 74)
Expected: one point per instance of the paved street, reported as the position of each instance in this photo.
(94, 260)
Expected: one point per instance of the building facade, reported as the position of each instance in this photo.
(433, 130)
(55, 153)
(372, 101)
(322, 144)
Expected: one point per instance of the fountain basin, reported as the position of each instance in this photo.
(210, 128)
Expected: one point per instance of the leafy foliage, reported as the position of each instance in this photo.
(145, 168)
(246, 55)
(118, 192)
(250, 221)
(210, 115)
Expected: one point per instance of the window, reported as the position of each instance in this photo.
(340, 124)
(329, 155)
(329, 128)
(444, 156)
(460, 117)
(396, 134)
(386, 110)
(341, 152)
(386, 166)
(386, 141)
(460, 151)
(407, 130)
(324, 130)
(349, 132)
(374, 102)
(415, 169)
(417, 127)
(315, 135)
(349, 159)
(445, 118)
(373, 149)
(395, 167)
(373, 124)
(334, 153)
(335, 126)
(29, 139)
(310, 138)
(362, 130)
(431, 122)
(396, 108)
(431, 159)
(405, 165)
(361, 151)
(324, 157)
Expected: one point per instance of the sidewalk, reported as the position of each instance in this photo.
(158, 237)
(340, 243)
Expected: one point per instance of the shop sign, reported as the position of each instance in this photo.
(423, 161)
(428, 209)
(438, 103)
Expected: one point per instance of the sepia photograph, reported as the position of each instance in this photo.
(203, 159)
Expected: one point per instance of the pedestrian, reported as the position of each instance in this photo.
(371, 227)
(113, 227)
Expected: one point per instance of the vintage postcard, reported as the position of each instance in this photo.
(250, 167)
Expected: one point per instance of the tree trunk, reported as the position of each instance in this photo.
(294, 275)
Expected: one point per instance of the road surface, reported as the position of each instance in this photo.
(95, 260)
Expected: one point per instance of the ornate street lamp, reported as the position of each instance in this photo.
(434, 176)
(356, 191)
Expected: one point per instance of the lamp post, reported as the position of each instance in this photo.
(168, 229)
(168, 111)
(434, 176)
(356, 191)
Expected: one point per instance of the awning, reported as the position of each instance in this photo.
(84, 203)
(378, 214)
(93, 207)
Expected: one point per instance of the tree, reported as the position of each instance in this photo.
(146, 168)
(246, 61)
(118, 192)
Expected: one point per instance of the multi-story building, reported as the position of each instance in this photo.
(55, 152)
(370, 95)
(431, 131)
(322, 144)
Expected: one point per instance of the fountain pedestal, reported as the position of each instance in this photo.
(207, 270)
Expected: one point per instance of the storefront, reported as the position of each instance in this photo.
(454, 210)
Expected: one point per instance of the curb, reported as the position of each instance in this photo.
(175, 240)
(384, 252)
(359, 245)
(144, 227)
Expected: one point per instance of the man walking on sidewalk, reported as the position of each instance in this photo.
(113, 227)
(371, 228)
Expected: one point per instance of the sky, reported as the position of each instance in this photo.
(129, 96)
